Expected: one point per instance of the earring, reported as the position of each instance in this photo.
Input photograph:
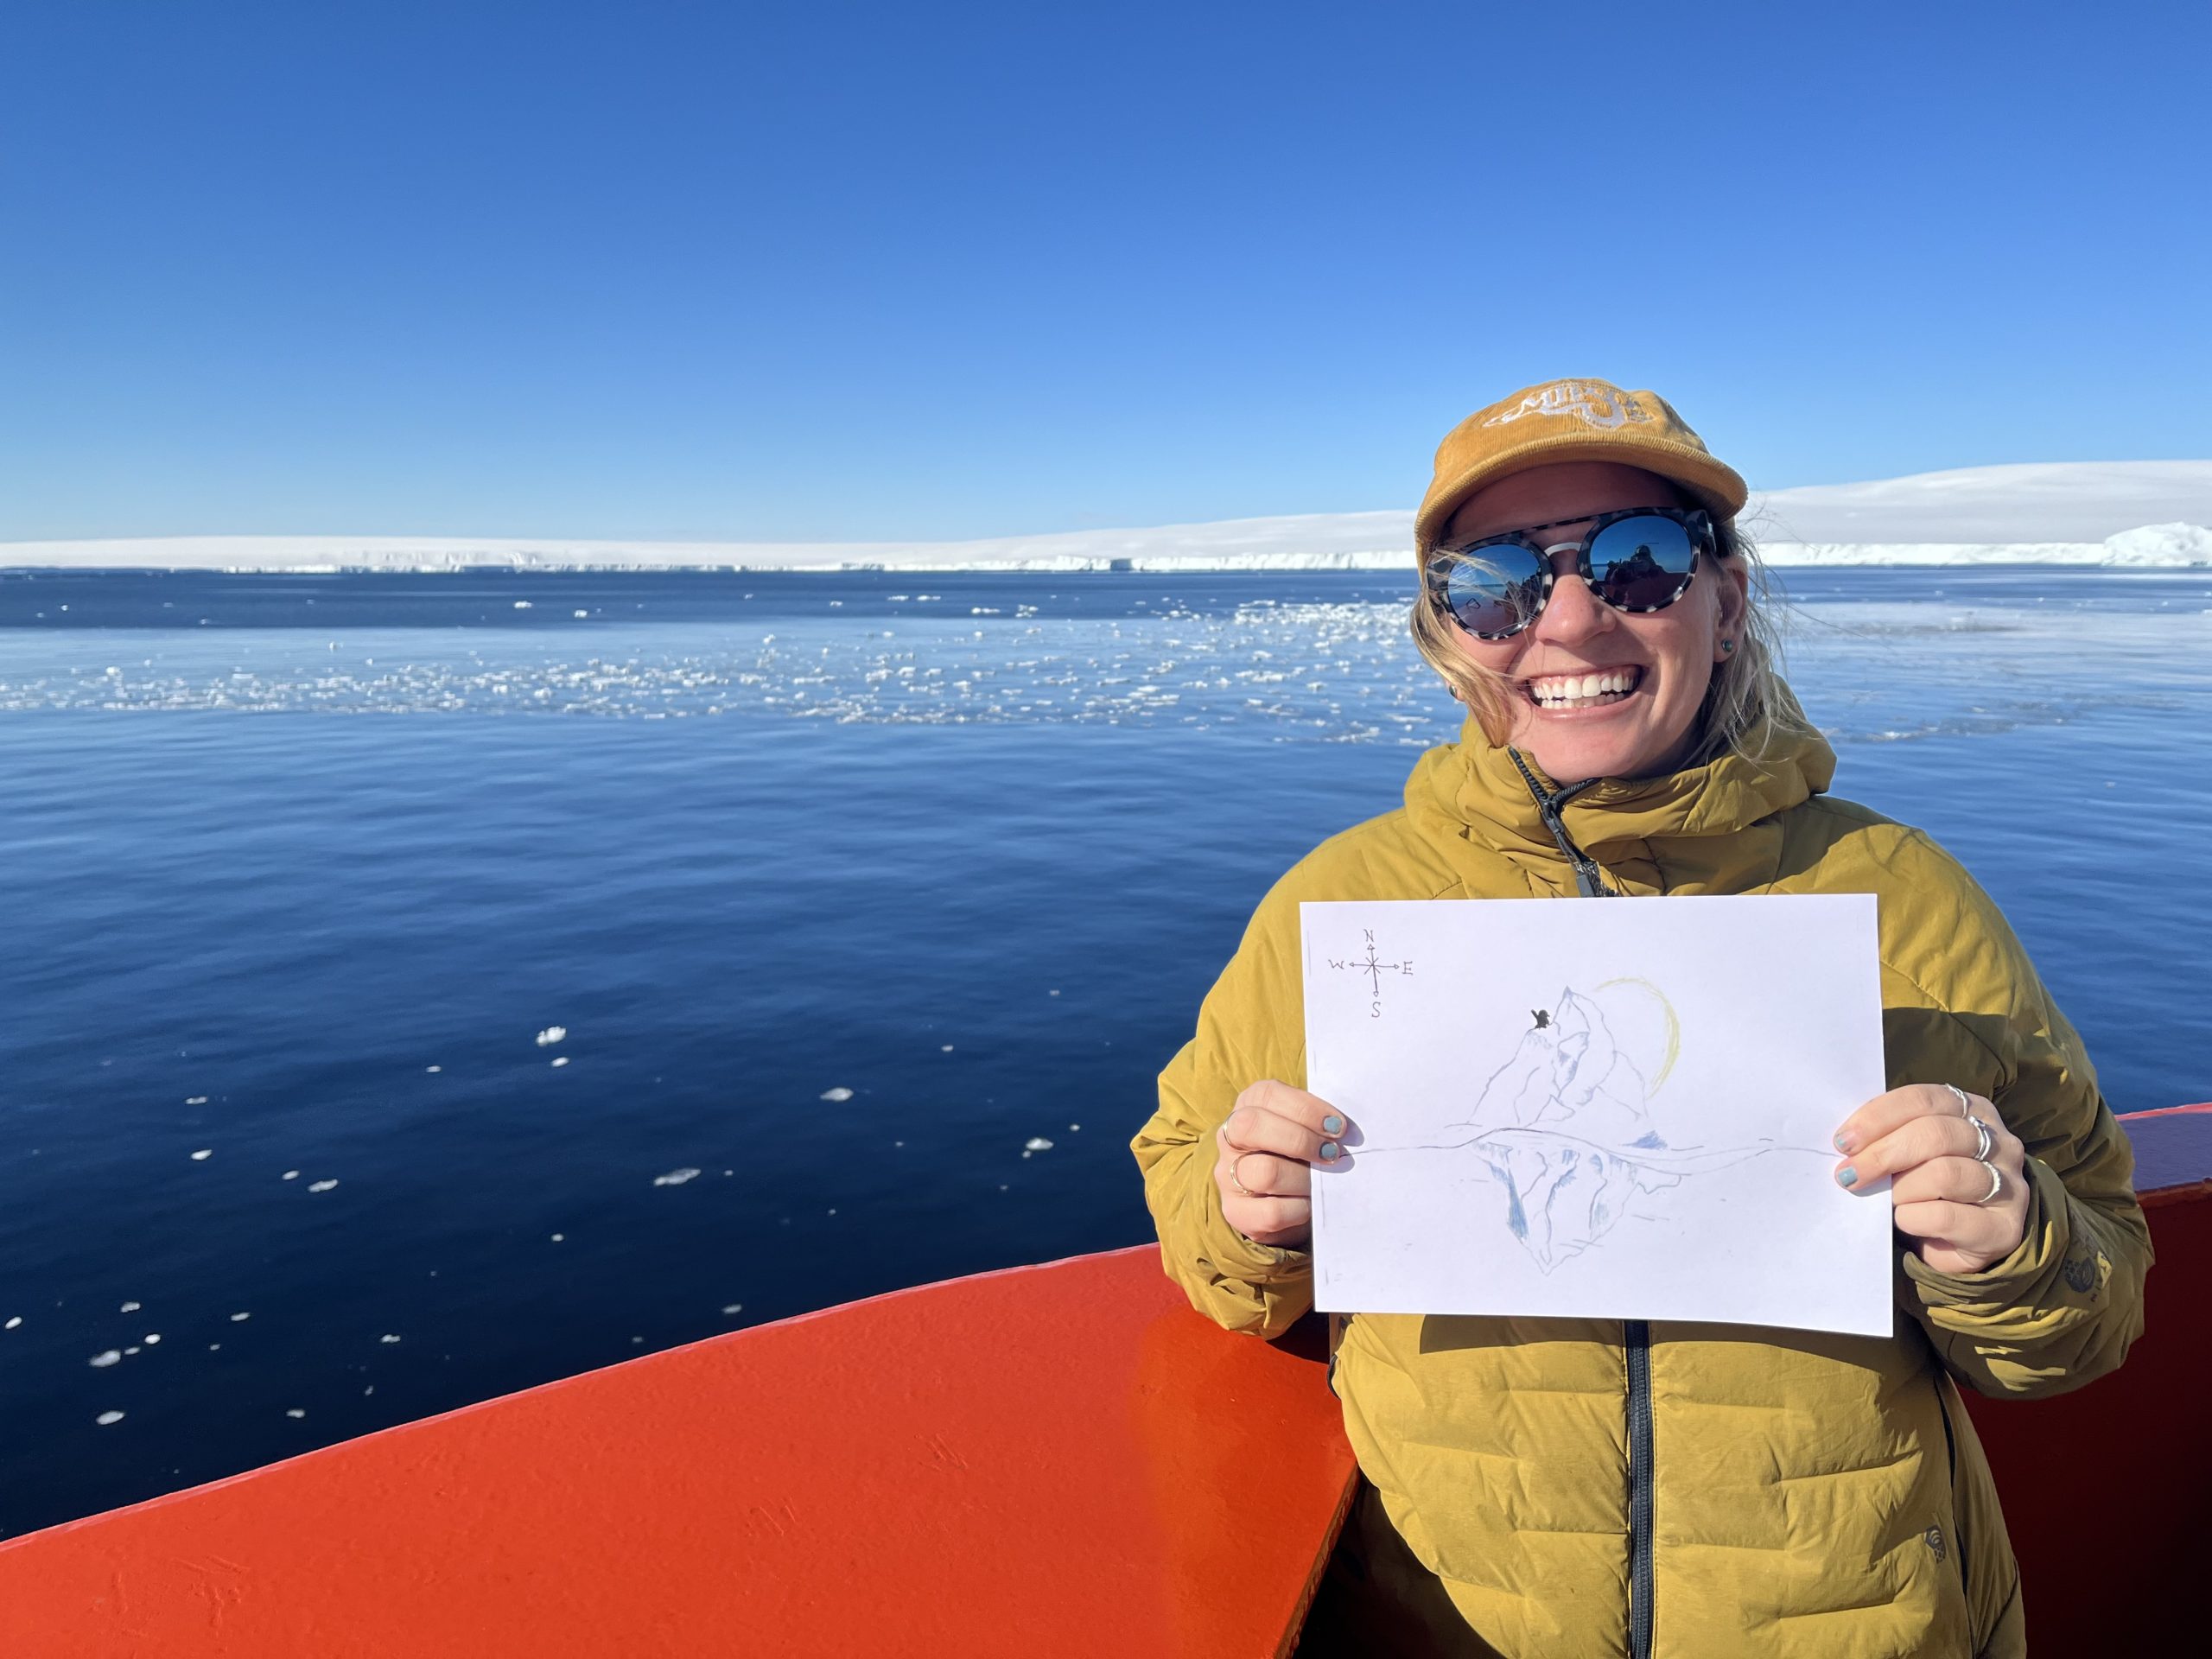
(1727, 645)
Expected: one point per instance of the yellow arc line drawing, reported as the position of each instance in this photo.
(1674, 1028)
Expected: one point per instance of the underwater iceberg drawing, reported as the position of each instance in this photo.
(1566, 1126)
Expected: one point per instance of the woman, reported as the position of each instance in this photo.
(1572, 1487)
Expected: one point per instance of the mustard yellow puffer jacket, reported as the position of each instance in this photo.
(1807, 1494)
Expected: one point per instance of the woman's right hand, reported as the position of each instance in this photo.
(1269, 1145)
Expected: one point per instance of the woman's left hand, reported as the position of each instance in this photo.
(1925, 1138)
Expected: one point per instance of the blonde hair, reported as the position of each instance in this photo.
(1745, 707)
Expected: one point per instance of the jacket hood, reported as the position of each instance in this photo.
(1675, 832)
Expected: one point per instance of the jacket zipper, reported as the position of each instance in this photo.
(1589, 880)
(1636, 1334)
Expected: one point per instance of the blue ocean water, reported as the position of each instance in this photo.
(845, 892)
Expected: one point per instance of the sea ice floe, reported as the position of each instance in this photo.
(17, 1321)
(290, 1175)
(557, 1237)
(522, 604)
(238, 1318)
(433, 1068)
(840, 1093)
(128, 1307)
(1037, 1143)
(733, 1307)
(564, 1060)
(107, 1417)
(676, 1178)
(196, 1100)
(105, 1358)
(1170, 666)
(321, 1186)
(153, 1336)
(203, 1155)
(551, 1035)
(295, 1412)
(387, 1337)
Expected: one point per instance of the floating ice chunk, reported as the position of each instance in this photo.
(1037, 1143)
(203, 1155)
(295, 1412)
(387, 1337)
(128, 1307)
(105, 1358)
(733, 1307)
(108, 1417)
(839, 1093)
(580, 615)
(153, 1336)
(12, 1323)
(238, 1318)
(551, 1035)
(1051, 993)
(676, 1178)
(196, 1100)
(522, 604)
(132, 1349)
(290, 1175)
(557, 1237)
(433, 1068)
(1075, 1129)
(947, 1049)
(321, 1186)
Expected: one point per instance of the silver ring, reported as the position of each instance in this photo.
(1966, 1106)
(1996, 1181)
(1983, 1142)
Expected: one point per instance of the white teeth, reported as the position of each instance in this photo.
(1582, 690)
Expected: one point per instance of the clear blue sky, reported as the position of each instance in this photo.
(843, 271)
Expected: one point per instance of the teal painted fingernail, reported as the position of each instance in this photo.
(1332, 1124)
(1847, 1176)
(1845, 1140)
(1330, 1151)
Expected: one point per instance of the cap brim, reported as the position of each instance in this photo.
(1717, 486)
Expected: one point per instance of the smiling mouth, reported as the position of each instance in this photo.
(1592, 690)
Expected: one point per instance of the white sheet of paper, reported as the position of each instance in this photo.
(1598, 1109)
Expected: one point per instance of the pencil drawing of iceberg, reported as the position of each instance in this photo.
(1566, 1127)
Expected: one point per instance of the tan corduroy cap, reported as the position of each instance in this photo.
(1571, 420)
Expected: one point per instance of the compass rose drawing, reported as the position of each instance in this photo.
(1374, 968)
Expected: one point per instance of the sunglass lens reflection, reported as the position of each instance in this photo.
(1641, 561)
(1494, 590)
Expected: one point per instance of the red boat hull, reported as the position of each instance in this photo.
(1060, 1460)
